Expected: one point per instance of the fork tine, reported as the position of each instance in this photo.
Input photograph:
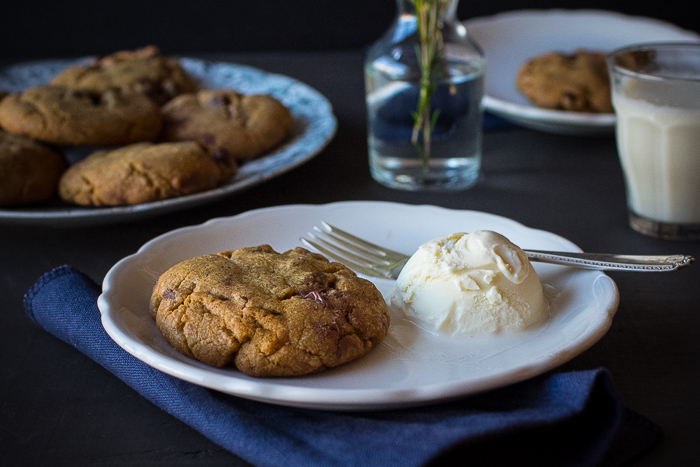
(354, 252)
(362, 268)
(358, 252)
(391, 255)
(350, 253)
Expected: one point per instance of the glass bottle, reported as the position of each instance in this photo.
(411, 148)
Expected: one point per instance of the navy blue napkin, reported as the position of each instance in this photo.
(572, 418)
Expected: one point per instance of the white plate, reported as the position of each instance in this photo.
(411, 366)
(509, 39)
(314, 127)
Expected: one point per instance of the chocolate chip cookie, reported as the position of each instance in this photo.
(576, 82)
(61, 115)
(143, 172)
(268, 313)
(242, 126)
(144, 70)
(29, 171)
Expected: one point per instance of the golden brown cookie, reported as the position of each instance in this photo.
(242, 126)
(60, 115)
(577, 82)
(29, 171)
(144, 70)
(268, 313)
(143, 172)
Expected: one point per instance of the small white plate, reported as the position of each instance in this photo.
(510, 39)
(314, 127)
(411, 366)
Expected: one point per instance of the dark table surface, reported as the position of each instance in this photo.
(57, 407)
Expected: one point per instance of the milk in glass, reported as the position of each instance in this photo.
(659, 147)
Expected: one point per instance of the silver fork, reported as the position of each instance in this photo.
(373, 260)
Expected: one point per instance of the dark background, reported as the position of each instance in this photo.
(59, 408)
(43, 29)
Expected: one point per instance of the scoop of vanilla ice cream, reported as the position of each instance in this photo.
(472, 283)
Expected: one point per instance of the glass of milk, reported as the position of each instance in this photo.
(656, 96)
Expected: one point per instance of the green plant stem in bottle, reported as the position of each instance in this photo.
(430, 49)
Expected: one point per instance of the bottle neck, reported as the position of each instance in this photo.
(447, 9)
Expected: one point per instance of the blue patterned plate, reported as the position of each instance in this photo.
(314, 127)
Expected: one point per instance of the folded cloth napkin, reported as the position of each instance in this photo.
(572, 418)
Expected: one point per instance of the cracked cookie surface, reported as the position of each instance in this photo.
(143, 172)
(242, 126)
(144, 70)
(29, 171)
(61, 115)
(268, 313)
(576, 82)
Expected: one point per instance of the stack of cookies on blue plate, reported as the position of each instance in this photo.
(149, 130)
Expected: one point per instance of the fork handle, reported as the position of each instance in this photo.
(612, 262)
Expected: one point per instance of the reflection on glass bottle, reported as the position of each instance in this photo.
(393, 73)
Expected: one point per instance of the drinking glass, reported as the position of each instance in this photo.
(656, 96)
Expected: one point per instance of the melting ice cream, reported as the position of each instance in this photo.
(470, 284)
